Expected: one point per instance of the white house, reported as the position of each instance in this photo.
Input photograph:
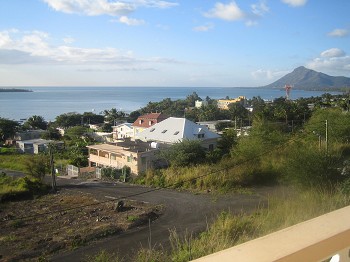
(122, 131)
(36, 146)
(199, 104)
(173, 129)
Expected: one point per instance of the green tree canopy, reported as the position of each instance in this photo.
(8, 128)
(338, 125)
(69, 120)
(185, 153)
(76, 132)
(36, 122)
(113, 115)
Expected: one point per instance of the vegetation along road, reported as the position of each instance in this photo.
(182, 211)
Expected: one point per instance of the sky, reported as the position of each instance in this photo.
(190, 43)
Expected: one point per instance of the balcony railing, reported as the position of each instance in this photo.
(319, 239)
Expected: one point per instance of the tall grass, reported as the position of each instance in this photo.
(14, 162)
(286, 209)
(15, 188)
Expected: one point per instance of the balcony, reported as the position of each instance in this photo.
(318, 239)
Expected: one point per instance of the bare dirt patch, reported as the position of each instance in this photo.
(35, 229)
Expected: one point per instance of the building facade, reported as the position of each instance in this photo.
(224, 103)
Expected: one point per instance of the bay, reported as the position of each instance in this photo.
(50, 102)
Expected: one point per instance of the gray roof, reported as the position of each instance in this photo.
(39, 141)
(175, 129)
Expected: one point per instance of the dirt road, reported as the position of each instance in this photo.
(183, 211)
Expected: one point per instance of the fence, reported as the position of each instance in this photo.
(72, 170)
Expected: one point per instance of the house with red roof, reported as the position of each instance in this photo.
(146, 121)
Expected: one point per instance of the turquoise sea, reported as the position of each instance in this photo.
(50, 102)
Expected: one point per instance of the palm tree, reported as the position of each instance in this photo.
(36, 122)
(113, 115)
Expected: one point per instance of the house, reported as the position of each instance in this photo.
(137, 155)
(145, 121)
(140, 154)
(211, 125)
(25, 135)
(122, 131)
(173, 129)
(199, 104)
(36, 146)
(224, 103)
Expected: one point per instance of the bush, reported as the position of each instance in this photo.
(19, 188)
(308, 167)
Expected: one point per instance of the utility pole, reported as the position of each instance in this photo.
(326, 137)
(52, 168)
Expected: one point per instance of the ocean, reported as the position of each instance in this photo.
(50, 102)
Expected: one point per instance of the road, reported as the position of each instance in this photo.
(183, 211)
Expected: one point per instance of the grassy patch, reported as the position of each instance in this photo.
(14, 162)
(132, 218)
(19, 188)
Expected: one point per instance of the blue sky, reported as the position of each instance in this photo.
(170, 43)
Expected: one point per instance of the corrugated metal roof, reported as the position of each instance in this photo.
(175, 129)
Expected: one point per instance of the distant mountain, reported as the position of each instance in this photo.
(307, 79)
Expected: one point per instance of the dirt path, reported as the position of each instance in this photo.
(182, 211)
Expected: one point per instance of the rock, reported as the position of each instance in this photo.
(119, 206)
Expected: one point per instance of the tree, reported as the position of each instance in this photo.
(338, 125)
(113, 115)
(8, 128)
(185, 153)
(92, 118)
(76, 132)
(35, 122)
(191, 99)
(133, 116)
(238, 111)
(227, 141)
(51, 133)
(69, 120)
(36, 166)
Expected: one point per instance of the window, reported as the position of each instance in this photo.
(141, 121)
(164, 131)
(150, 122)
(200, 135)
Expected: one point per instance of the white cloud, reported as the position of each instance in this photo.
(333, 60)
(251, 23)
(333, 52)
(262, 74)
(339, 33)
(5, 39)
(229, 12)
(295, 3)
(260, 9)
(203, 28)
(68, 40)
(104, 7)
(131, 21)
(34, 47)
